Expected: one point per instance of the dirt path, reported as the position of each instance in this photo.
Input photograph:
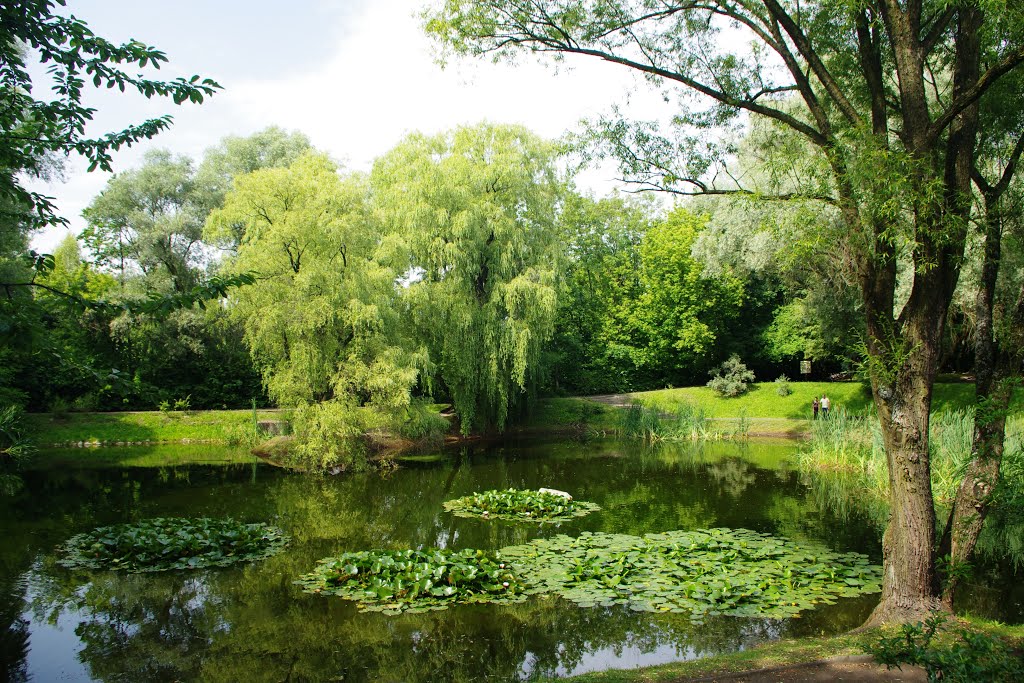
(855, 669)
(614, 400)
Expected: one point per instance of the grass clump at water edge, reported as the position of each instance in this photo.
(684, 423)
(846, 466)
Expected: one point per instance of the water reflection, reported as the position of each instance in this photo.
(251, 623)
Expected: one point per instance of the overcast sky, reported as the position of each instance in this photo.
(354, 75)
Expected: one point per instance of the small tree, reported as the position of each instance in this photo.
(731, 378)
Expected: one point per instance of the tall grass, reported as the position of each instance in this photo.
(684, 423)
(852, 444)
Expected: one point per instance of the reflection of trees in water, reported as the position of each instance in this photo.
(254, 625)
(14, 635)
(733, 475)
(251, 623)
(848, 515)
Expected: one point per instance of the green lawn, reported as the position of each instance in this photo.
(763, 401)
(767, 412)
(207, 425)
(159, 455)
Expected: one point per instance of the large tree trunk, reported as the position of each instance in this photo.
(902, 378)
(904, 353)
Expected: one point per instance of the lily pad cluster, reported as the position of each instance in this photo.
(519, 504)
(735, 572)
(701, 573)
(164, 543)
(393, 581)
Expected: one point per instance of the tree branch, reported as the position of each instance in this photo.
(813, 61)
(1007, 64)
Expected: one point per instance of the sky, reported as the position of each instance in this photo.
(356, 76)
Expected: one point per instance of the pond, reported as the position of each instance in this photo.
(252, 623)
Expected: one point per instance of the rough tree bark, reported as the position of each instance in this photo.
(905, 351)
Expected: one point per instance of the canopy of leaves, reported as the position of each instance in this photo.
(151, 219)
(471, 217)
(321, 322)
(165, 543)
(76, 60)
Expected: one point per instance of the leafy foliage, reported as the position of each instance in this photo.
(731, 378)
(328, 436)
(321, 323)
(13, 442)
(521, 505)
(782, 387)
(701, 573)
(75, 59)
(394, 581)
(471, 219)
(164, 543)
(681, 421)
(964, 658)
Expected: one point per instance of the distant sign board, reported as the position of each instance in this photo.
(805, 367)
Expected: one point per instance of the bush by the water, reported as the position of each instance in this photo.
(731, 378)
(954, 656)
(13, 442)
(328, 435)
(684, 422)
(166, 543)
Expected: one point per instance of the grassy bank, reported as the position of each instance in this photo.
(763, 401)
(221, 426)
(158, 455)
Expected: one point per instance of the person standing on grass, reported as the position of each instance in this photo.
(814, 407)
(825, 405)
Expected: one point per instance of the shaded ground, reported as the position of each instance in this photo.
(856, 669)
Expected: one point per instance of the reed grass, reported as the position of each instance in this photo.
(853, 443)
(685, 423)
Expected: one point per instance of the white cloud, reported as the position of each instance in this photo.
(355, 101)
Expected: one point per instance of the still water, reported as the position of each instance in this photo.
(252, 624)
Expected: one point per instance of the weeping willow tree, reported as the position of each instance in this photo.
(321, 320)
(471, 219)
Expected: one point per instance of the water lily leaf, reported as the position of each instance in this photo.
(162, 544)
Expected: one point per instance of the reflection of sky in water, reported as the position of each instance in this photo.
(627, 656)
(53, 649)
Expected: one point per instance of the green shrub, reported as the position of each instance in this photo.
(328, 436)
(640, 422)
(422, 422)
(782, 387)
(684, 423)
(961, 656)
(731, 378)
(13, 442)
